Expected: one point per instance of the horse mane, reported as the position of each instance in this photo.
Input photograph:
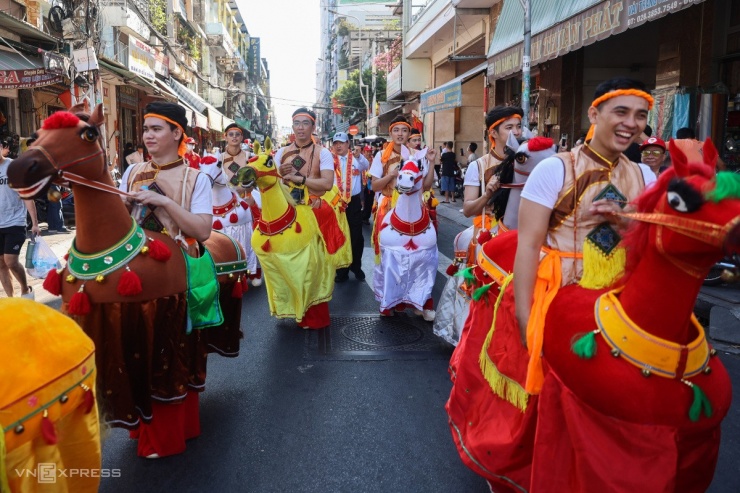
(637, 237)
(61, 119)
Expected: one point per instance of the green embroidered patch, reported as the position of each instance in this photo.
(610, 192)
(604, 237)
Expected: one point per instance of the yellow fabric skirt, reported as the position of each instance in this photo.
(343, 256)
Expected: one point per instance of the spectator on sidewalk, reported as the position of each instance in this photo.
(13, 229)
(472, 156)
(449, 171)
(137, 156)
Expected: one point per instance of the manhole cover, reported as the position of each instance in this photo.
(379, 333)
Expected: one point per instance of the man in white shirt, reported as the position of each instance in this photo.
(136, 157)
(348, 171)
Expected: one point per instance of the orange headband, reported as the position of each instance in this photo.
(613, 94)
(388, 149)
(306, 115)
(624, 92)
(183, 148)
(398, 123)
(496, 124)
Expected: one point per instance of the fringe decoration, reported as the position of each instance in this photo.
(452, 269)
(88, 399)
(585, 346)
(599, 270)
(700, 403)
(245, 283)
(411, 245)
(466, 274)
(53, 282)
(298, 228)
(47, 429)
(79, 304)
(479, 292)
(504, 387)
(237, 291)
(158, 250)
(233, 218)
(266, 247)
(217, 224)
(484, 236)
(129, 284)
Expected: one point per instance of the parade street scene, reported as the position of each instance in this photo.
(454, 246)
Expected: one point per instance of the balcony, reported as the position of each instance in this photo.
(124, 14)
(219, 40)
(433, 27)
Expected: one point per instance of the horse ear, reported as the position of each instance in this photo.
(268, 145)
(526, 133)
(710, 153)
(678, 159)
(97, 117)
(511, 142)
(256, 147)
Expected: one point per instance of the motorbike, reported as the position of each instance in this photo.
(725, 271)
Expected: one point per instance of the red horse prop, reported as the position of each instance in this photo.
(127, 287)
(632, 398)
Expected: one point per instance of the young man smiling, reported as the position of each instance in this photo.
(570, 203)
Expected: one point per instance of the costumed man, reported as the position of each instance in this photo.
(308, 170)
(192, 157)
(178, 202)
(384, 170)
(348, 171)
(235, 158)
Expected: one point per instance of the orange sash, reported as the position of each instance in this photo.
(345, 188)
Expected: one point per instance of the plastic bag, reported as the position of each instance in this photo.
(43, 259)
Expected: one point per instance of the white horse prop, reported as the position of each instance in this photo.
(408, 251)
(231, 214)
(521, 158)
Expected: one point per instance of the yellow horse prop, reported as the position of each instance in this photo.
(298, 273)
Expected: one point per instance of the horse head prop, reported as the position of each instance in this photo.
(212, 166)
(409, 179)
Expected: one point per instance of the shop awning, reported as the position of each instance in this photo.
(565, 26)
(195, 118)
(449, 94)
(215, 118)
(24, 72)
(24, 29)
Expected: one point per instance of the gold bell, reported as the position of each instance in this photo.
(615, 352)
(707, 370)
(646, 372)
(712, 352)
(231, 276)
(70, 279)
(100, 278)
(54, 195)
(145, 250)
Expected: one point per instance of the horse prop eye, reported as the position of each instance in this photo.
(682, 197)
(89, 134)
(521, 158)
(677, 202)
(269, 163)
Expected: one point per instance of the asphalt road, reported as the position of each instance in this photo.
(290, 415)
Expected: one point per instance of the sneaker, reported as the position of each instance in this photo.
(257, 281)
(29, 295)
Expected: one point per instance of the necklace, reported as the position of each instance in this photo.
(84, 266)
(231, 153)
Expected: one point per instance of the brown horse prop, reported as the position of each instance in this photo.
(632, 397)
(127, 287)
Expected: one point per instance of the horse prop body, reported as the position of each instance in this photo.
(632, 397)
(231, 214)
(127, 287)
(522, 156)
(408, 250)
(299, 276)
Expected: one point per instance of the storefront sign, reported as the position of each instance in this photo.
(27, 79)
(85, 59)
(595, 24)
(162, 64)
(393, 83)
(141, 58)
(442, 98)
(254, 62)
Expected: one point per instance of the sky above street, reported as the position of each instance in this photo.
(289, 32)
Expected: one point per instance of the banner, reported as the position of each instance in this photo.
(27, 79)
(141, 58)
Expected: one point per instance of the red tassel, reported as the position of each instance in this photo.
(66, 256)
(158, 250)
(484, 236)
(79, 304)
(129, 284)
(411, 245)
(266, 247)
(245, 283)
(237, 291)
(451, 269)
(53, 282)
(217, 224)
(298, 227)
(258, 274)
(233, 218)
(47, 429)
(88, 399)
(244, 205)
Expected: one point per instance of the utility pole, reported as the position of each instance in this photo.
(526, 60)
(365, 98)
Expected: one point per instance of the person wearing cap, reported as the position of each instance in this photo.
(158, 183)
(348, 171)
(653, 154)
(136, 157)
(191, 156)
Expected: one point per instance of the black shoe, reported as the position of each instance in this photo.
(359, 275)
(341, 278)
